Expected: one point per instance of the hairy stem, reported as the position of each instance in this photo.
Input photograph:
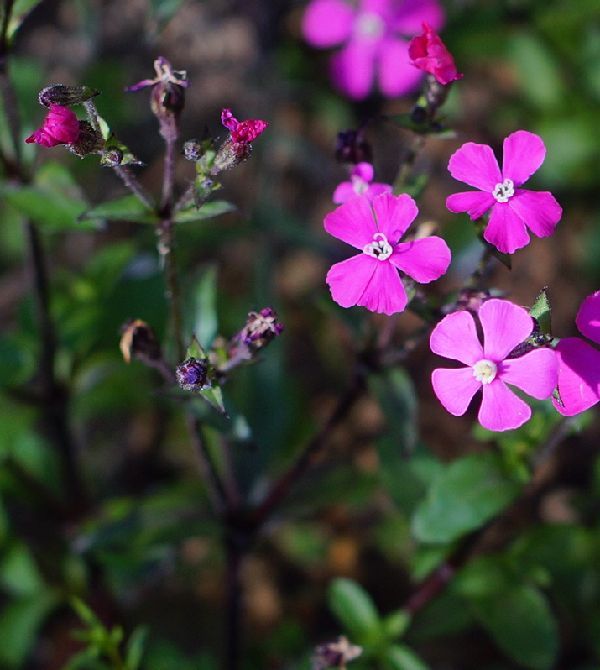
(132, 183)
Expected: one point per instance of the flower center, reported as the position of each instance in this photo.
(485, 371)
(503, 191)
(379, 248)
(359, 185)
(369, 26)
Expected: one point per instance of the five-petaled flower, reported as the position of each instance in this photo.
(513, 209)
(59, 127)
(373, 34)
(579, 362)
(370, 279)
(489, 368)
(428, 53)
(361, 183)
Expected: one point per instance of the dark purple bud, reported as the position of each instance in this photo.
(192, 374)
(112, 157)
(471, 299)
(139, 341)
(335, 654)
(59, 94)
(229, 155)
(352, 147)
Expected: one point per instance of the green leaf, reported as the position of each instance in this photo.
(195, 349)
(19, 573)
(522, 625)
(396, 395)
(396, 623)
(204, 309)
(54, 201)
(85, 613)
(353, 607)
(127, 208)
(206, 211)
(19, 623)
(135, 648)
(214, 397)
(20, 11)
(541, 311)
(399, 657)
(465, 495)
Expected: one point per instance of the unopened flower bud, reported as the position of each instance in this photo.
(112, 157)
(139, 341)
(260, 329)
(59, 94)
(435, 93)
(352, 147)
(471, 299)
(193, 150)
(229, 155)
(335, 654)
(192, 374)
(89, 141)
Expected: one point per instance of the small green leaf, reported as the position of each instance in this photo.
(127, 208)
(353, 606)
(135, 648)
(399, 657)
(21, 9)
(465, 495)
(206, 211)
(541, 311)
(195, 349)
(85, 613)
(396, 623)
(214, 397)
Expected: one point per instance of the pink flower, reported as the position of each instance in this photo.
(360, 183)
(513, 208)
(428, 53)
(504, 326)
(579, 362)
(371, 32)
(60, 127)
(370, 279)
(242, 132)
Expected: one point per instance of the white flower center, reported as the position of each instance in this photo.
(369, 26)
(379, 248)
(359, 185)
(485, 371)
(503, 191)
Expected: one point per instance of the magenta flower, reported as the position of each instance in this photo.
(59, 127)
(372, 33)
(428, 53)
(242, 132)
(513, 208)
(579, 362)
(504, 326)
(361, 183)
(370, 279)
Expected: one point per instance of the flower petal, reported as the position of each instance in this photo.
(327, 23)
(588, 317)
(396, 73)
(501, 409)
(424, 260)
(394, 214)
(455, 336)
(385, 292)
(476, 165)
(455, 388)
(349, 279)
(376, 188)
(343, 192)
(412, 13)
(505, 229)
(578, 376)
(538, 209)
(523, 153)
(353, 68)
(352, 222)
(504, 326)
(475, 203)
(364, 171)
(536, 373)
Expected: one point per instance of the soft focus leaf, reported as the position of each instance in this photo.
(20, 10)
(204, 310)
(127, 208)
(354, 608)
(396, 395)
(465, 495)
(206, 211)
(399, 657)
(135, 648)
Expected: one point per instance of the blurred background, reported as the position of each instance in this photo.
(140, 547)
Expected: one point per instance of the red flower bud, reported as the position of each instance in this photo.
(60, 127)
(428, 53)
